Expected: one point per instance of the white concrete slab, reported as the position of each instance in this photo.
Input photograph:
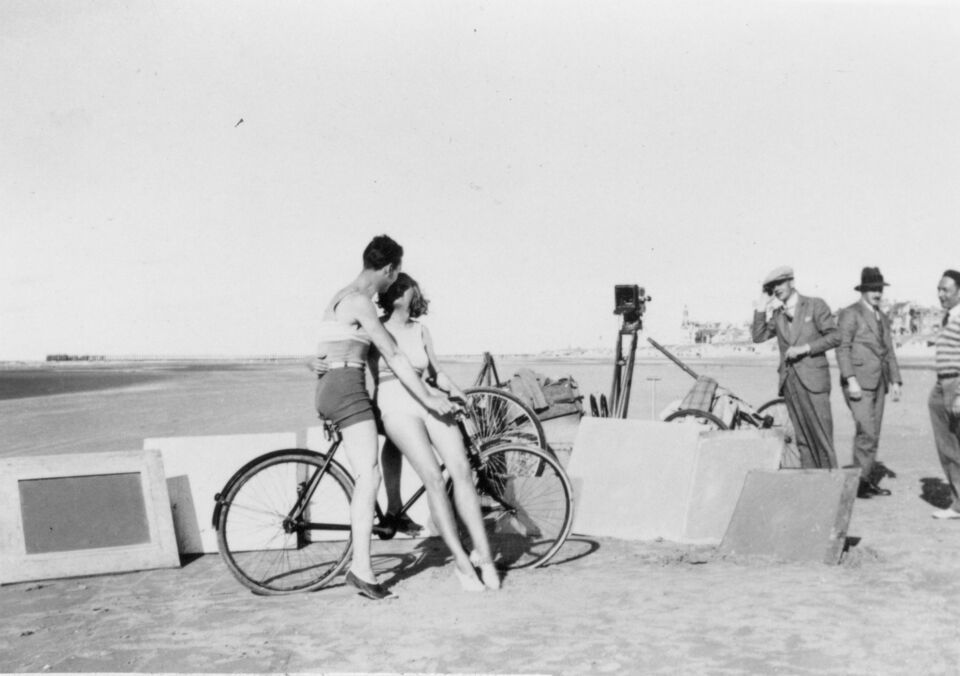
(645, 480)
(197, 469)
(635, 477)
(723, 460)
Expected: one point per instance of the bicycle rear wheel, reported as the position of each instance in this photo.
(527, 504)
(283, 526)
(697, 417)
(777, 410)
(502, 417)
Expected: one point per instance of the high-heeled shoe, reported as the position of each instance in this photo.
(490, 576)
(488, 572)
(468, 581)
(375, 590)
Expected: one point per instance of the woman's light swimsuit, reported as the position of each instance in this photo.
(393, 398)
(342, 396)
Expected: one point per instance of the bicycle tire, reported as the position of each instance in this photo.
(501, 417)
(777, 409)
(708, 420)
(270, 555)
(526, 500)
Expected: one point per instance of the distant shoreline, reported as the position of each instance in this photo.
(20, 380)
(910, 355)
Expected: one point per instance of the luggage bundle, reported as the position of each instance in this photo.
(548, 398)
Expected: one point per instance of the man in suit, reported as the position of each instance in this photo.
(868, 369)
(805, 330)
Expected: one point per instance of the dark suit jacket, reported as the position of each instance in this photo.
(866, 349)
(813, 325)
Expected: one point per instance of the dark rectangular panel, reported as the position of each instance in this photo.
(83, 512)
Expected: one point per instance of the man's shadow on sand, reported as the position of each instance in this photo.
(431, 552)
(936, 492)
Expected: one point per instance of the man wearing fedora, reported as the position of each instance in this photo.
(944, 401)
(805, 330)
(868, 370)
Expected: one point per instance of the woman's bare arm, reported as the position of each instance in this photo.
(444, 382)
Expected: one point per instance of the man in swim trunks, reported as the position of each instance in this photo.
(350, 324)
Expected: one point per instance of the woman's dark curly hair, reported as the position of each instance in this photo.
(418, 305)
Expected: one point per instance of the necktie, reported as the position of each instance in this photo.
(946, 318)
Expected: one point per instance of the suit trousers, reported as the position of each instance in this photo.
(812, 423)
(946, 433)
(868, 416)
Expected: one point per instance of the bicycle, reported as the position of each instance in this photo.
(283, 519)
(708, 394)
(770, 415)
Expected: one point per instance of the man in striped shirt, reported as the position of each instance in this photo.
(944, 399)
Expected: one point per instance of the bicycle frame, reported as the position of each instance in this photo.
(294, 520)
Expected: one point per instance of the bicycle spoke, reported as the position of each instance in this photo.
(269, 551)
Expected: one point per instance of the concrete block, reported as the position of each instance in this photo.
(635, 477)
(649, 479)
(561, 433)
(723, 460)
(197, 469)
(793, 515)
(84, 514)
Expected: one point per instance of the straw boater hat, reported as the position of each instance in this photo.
(871, 280)
(777, 275)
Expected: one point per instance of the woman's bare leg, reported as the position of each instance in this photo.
(362, 446)
(448, 441)
(410, 436)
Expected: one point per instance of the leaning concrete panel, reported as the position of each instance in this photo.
(84, 514)
(197, 468)
(636, 477)
(723, 460)
(793, 515)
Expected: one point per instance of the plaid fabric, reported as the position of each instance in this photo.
(701, 395)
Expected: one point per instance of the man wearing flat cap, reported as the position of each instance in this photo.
(805, 330)
(868, 370)
(944, 402)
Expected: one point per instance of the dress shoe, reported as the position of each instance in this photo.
(869, 489)
(407, 525)
(947, 513)
(401, 524)
(372, 590)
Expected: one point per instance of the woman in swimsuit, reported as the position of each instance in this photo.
(350, 324)
(416, 431)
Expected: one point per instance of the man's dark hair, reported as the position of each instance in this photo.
(380, 252)
(954, 275)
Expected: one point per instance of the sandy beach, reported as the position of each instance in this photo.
(601, 606)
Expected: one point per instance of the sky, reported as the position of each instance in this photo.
(528, 156)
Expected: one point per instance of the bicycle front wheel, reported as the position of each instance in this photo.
(284, 525)
(527, 504)
(501, 417)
